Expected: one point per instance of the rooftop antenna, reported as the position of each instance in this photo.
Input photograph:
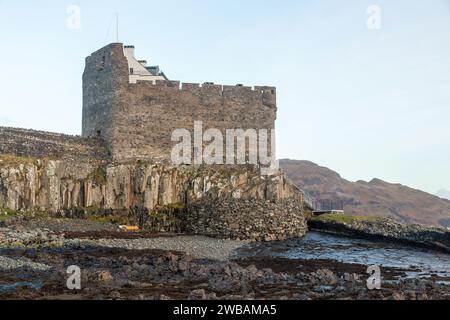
(117, 27)
(111, 21)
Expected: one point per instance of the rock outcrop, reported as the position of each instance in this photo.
(231, 202)
(382, 229)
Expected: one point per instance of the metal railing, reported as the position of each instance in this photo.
(322, 204)
(329, 205)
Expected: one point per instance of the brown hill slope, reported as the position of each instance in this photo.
(376, 197)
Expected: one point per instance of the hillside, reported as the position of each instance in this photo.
(376, 197)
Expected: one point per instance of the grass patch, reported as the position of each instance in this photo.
(114, 219)
(6, 214)
(7, 159)
(175, 206)
(98, 176)
(160, 216)
(308, 214)
(38, 213)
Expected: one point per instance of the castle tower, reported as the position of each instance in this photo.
(135, 109)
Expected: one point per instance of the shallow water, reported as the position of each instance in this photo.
(8, 288)
(318, 246)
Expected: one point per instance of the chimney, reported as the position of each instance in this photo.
(129, 51)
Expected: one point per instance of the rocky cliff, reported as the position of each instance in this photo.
(235, 202)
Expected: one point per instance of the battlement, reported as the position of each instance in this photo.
(136, 113)
(211, 87)
(264, 95)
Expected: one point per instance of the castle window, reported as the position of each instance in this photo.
(131, 71)
(99, 133)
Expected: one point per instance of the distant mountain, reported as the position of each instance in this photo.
(376, 197)
(444, 194)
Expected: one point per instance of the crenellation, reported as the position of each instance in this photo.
(266, 89)
(141, 85)
(207, 88)
(238, 91)
(193, 87)
(211, 88)
(169, 84)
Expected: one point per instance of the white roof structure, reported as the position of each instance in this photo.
(139, 70)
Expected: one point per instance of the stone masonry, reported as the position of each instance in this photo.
(136, 120)
(38, 144)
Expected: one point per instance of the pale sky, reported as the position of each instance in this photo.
(365, 103)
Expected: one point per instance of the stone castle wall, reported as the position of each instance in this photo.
(105, 70)
(137, 120)
(38, 144)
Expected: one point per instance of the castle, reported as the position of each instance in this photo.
(121, 165)
(135, 108)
